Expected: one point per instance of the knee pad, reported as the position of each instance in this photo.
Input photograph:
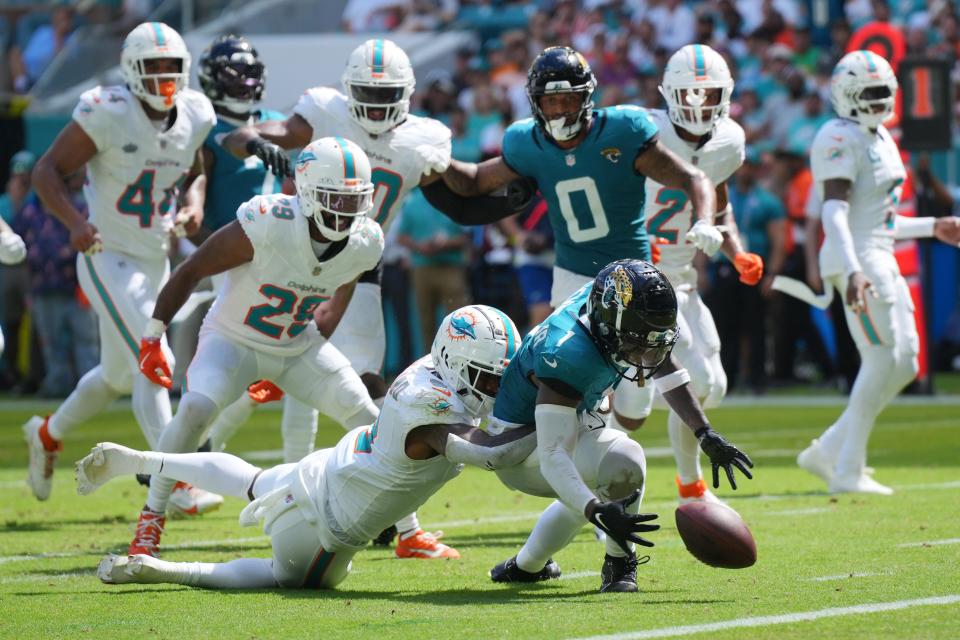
(623, 470)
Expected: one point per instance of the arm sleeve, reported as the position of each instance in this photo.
(466, 211)
(836, 227)
(908, 227)
(557, 430)
(495, 455)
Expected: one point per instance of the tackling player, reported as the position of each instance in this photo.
(285, 257)
(321, 511)
(858, 172)
(697, 127)
(623, 322)
(141, 144)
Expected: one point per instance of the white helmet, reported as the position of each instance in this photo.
(472, 341)
(150, 41)
(378, 76)
(861, 81)
(689, 73)
(333, 185)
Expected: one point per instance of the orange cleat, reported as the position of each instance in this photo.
(696, 492)
(146, 540)
(424, 545)
(264, 391)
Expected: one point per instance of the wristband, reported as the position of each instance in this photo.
(154, 329)
(907, 227)
(673, 380)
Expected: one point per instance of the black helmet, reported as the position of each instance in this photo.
(561, 70)
(633, 315)
(232, 74)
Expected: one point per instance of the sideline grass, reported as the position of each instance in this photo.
(802, 534)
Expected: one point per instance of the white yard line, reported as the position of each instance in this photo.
(955, 484)
(929, 543)
(798, 512)
(195, 544)
(513, 517)
(12, 484)
(56, 577)
(579, 574)
(847, 576)
(787, 618)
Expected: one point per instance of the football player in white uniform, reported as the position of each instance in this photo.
(697, 127)
(287, 259)
(12, 251)
(404, 150)
(141, 144)
(321, 511)
(858, 173)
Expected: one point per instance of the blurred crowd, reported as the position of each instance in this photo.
(781, 59)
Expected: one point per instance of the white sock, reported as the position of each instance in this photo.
(243, 573)
(91, 396)
(408, 525)
(686, 449)
(299, 429)
(218, 472)
(554, 530)
(230, 420)
(151, 407)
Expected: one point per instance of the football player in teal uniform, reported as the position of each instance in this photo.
(624, 321)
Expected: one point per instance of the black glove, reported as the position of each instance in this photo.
(620, 525)
(723, 454)
(275, 158)
(520, 192)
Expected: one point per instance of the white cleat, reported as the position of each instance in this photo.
(41, 464)
(105, 462)
(813, 461)
(187, 501)
(859, 484)
(114, 569)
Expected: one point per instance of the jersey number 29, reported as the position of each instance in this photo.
(257, 316)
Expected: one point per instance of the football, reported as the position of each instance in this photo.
(716, 535)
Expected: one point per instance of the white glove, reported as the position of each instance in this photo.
(434, 158)
(705, 237)
(12, 248)
(96, 247)
(180, 225)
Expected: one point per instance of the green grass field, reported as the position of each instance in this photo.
(816, 552)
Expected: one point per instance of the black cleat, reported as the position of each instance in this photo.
(386, 536)
(620, 574)
(508, 571)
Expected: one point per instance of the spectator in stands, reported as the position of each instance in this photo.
(45, 43)
(366, 16)
(674, 24)
(429, 15)
(437, 246)
(18, 185)
(802, 129)
(440, 97)
(62, 317)
(740, 310)
(531, 235)
(463, 146)
(806, 55)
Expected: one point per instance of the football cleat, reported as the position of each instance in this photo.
(813, 461)
(859, 484)
(143, 569)
(146, 541)
(508, 571)
(386, 536)
(696, 492)
(105, 462)
(42, 459)
(187, 500)
(619, 574)
(424, 545)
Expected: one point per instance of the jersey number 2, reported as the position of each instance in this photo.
(257, 316)
(673, 201)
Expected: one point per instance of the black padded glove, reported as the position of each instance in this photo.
(275, 158)
(620, 525)
(723, 454)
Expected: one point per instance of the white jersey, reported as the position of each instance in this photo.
(135, 178)
(396, 166)
(842, 150)
(367, 482)
(669, 213)
(268, 303)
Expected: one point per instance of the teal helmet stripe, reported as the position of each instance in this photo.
(871, 65)
(378, 56)
(158, 34)
(699, 63)
(508, 329)
(349, 167)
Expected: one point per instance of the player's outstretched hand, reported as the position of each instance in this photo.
(947, 229)
(750, 267)
(705, 237)
(274, 158)
(723, 454)
(619, 524)
(153, 364)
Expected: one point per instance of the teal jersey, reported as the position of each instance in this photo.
(560, 348)
(233, 181)
(594, 197)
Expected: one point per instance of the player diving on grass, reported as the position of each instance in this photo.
(697, 127)
(141, 145)
(287, 259)
(405, 151)
(858, 172)
(623, 325)
(321, 511)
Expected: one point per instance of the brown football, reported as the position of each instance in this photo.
(716, 535)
